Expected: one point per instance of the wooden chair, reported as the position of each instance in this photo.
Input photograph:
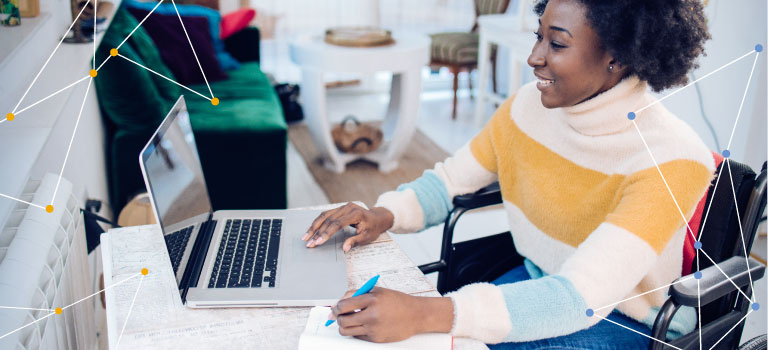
(458, 50)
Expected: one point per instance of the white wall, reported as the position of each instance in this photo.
(422, 15)
(736, 27)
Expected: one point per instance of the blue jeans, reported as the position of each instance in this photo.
(603, 335)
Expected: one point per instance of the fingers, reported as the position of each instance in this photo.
(355, 331)
(317, 222)
(348, 294)
(363, 236)
(350, 243)
(348, 305)
(348, 214)
(352, 319)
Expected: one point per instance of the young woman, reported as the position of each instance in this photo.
(587, 206)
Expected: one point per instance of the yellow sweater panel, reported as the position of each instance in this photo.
(568, 202)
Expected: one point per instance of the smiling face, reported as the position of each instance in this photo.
(568, 58)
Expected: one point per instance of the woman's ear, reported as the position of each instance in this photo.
(615, 67)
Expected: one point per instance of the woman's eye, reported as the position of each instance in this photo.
(538, 35)
(556, 45)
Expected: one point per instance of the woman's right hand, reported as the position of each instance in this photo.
(369, 223)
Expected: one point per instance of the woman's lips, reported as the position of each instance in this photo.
(543, 84)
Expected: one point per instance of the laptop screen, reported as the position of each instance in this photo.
(173, 171)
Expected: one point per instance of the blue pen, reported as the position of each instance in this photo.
(364, 289)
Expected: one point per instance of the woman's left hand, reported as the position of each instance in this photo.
(387, 315)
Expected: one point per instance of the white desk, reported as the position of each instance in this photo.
(405, 59)
(502, 30)
(156, 318)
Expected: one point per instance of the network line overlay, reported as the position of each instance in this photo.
(591, 312)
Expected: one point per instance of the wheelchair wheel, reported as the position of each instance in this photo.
(756, 343)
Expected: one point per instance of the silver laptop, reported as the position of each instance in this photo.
(232, 258)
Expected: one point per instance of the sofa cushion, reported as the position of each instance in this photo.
(246, 82)
(236, 21)
(169, 38)
(237, 116)
(226, 60)
(151, 96)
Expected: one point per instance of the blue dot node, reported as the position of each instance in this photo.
(697, 245)
(759, 48)
(726, 153)
(631, 115)
(755, 306)
(697, 275)
(590, 312)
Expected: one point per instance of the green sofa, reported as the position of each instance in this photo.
(241, 142)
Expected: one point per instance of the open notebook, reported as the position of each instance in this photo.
(319, 337)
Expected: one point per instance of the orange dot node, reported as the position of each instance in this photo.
(49, 208)
(215, 101)
(144, 271)
(113, 52)
(10, 116)
(58, 311)
(93, 73)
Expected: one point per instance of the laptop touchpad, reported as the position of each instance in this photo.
(323, 253)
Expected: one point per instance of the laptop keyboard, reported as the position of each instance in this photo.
(176, 242)
(247, 255)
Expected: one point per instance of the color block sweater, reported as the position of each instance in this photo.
(587, 208)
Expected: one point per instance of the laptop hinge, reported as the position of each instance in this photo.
(197, 258)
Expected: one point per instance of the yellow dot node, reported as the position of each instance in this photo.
(10, 116)
(49, 208)
(113, 52)
(144, 271)
(58, 311)
(215, 101)
(93, 73)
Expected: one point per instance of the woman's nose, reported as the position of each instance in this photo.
(536, 59)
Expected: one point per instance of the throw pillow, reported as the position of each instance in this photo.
(169, 38)
(131, 97)
(226, 60)
(236, 21)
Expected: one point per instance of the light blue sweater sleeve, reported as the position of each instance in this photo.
(549, 305)
(433, 197)
(545, 307)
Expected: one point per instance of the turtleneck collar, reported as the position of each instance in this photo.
(606, 113)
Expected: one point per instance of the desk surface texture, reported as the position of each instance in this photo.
(157, 318)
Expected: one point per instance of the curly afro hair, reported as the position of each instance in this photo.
(658, 40)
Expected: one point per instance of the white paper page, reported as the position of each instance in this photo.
(386, 259)
(317, 336)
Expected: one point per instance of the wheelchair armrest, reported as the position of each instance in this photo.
(714, 284)
(484, 197)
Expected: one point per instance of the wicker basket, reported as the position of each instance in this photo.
(351, 136)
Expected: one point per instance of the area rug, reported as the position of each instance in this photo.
(362, 180)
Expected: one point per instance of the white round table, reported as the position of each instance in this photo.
(405, 59)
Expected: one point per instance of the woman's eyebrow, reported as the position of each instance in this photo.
(560, 29)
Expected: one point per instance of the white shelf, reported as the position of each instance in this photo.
(12, 37)
(46, 127)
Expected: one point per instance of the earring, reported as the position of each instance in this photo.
(610, 68)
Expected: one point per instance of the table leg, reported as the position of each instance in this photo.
(483, 60)
(402, 115)
(314, 104)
